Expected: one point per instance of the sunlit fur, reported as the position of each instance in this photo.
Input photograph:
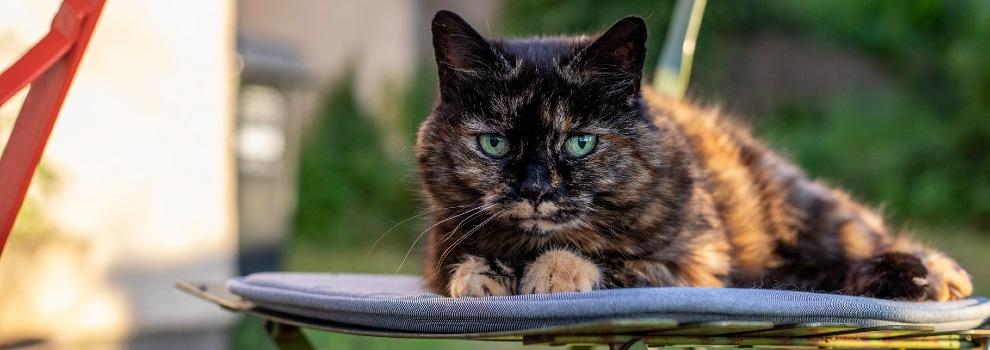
(672, 194)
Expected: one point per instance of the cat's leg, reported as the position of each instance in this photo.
(909, 271)
(557, 271)
(837, 231)
(701, 258)
(653, 273)
(480, 277)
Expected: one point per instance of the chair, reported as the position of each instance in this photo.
(398, 307)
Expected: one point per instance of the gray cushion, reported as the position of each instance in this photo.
(401, 303)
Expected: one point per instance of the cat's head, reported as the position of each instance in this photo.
(544, 134)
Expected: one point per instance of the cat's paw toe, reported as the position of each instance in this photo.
(558, 271)
(946, 280)
(907, 277)
(474, 277)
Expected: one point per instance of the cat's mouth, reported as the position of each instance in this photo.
(545, 217)
(542, 225)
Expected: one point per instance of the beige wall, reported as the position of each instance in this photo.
(372, 36)
(142, 189)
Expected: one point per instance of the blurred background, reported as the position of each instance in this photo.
(206, 139)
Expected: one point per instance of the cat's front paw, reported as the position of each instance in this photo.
(559, 271)
(907, 277)
(476, 277)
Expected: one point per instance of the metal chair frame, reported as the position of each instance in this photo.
(285, 331)
(48, 68)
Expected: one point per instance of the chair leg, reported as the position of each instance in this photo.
(629, 345)
(287, 337)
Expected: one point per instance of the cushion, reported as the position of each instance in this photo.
(402, 303)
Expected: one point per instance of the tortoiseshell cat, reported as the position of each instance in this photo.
(549, 167)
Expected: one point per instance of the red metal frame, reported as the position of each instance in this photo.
(48, 68)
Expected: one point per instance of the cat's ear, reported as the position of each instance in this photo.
(460, 50)
(618, 53)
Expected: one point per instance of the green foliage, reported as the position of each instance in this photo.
(886, 149)
(920, 148)
(349, 190)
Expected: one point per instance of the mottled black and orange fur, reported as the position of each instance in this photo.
(672, 195)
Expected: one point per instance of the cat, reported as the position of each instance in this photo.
(549, 167)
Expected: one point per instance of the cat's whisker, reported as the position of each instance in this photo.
(373, 245)
(465, 236)
(452, 232)
(420, 236)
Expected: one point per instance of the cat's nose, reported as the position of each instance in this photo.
(536, 185)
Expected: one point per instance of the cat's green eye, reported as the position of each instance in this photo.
(493, 145)
(580, 145)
